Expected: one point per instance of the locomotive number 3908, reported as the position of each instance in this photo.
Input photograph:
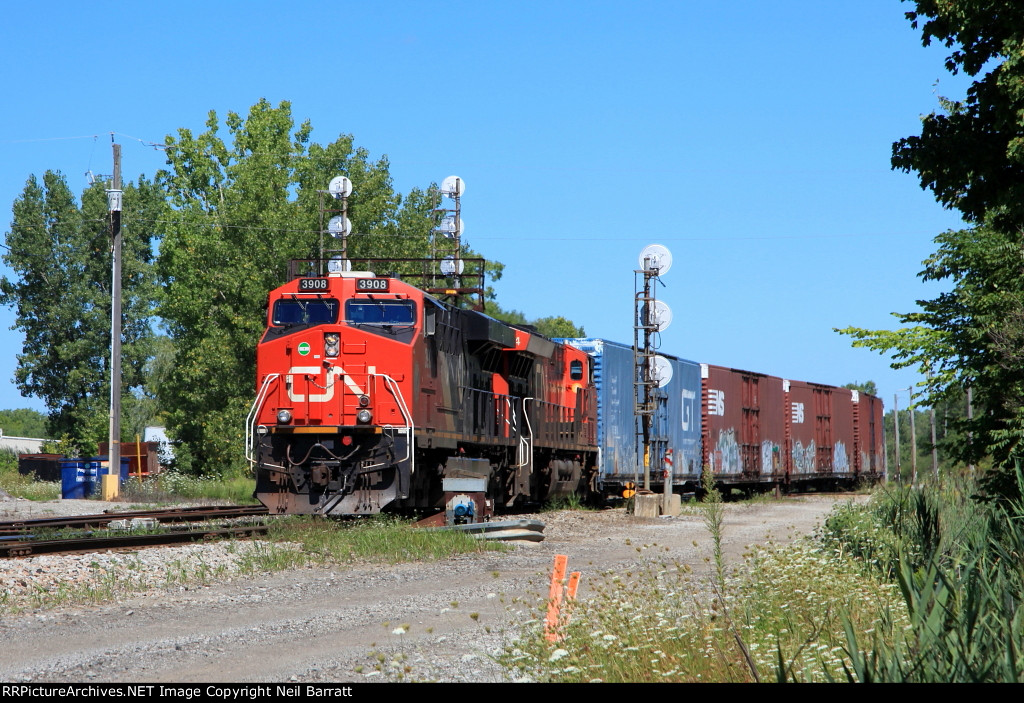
(372, 284)
(313, 284)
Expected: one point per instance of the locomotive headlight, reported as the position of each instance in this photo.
(364, 416)
(331, 343)
(284, 416)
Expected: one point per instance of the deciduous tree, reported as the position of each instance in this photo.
(242, 209)
(970, 154)
(60, 254)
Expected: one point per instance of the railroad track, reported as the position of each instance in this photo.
(99, 520)
(147, 528)
(123, 530)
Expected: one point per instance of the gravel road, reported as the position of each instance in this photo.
(445, 619)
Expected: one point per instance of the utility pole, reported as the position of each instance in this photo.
(935, 450)
(970, 418)
(896, 424)
(114, 206)
(913, 440)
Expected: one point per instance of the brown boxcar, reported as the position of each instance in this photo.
(743, 429)
(870, 437)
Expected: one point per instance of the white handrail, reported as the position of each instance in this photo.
(410, 427)
(250, 419)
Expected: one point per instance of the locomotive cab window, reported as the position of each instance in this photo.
(576, 370)
(305, 311)
(380, 312)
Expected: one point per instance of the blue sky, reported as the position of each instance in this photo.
(750, 138)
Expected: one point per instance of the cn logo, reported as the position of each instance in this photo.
(306, 372)
(716, 402)
(311, 375)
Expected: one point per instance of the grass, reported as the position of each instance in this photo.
(919, 585)
(650, 626)
(300, 540)
(19, 486)
(570, 502)
(164, 488)
(784, 615)
(172, 487)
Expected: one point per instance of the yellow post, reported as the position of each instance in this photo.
(109, 486)
(138, 458)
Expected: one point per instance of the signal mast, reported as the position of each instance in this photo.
(652, 371)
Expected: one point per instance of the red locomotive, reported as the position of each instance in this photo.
(373, 395)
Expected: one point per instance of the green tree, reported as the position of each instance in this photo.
(868, 387)
(61, 256)
(553, 326)
(970, 154)
(242, 210)
(23, 422)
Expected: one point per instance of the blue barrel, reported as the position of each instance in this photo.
(74, 479)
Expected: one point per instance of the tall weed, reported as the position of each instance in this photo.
(959, 564)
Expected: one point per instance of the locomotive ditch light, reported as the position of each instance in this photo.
(284, 416)
(364, 416)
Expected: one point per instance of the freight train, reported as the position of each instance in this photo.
(373, 395)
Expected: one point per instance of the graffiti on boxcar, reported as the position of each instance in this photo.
(840, 459)
(803, 457)
(769, 456)
(727, 453)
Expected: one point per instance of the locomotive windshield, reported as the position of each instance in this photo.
(305, 311)
(380, 312)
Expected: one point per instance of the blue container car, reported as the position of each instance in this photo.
(675, 425)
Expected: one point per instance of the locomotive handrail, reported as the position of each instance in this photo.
(410, 427)
(524, 440)
(250, 419)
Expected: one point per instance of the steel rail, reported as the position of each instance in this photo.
(107, 542)
(168, 515)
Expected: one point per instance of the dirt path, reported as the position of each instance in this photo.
(316, 624)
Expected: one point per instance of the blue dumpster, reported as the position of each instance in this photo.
(74, 478)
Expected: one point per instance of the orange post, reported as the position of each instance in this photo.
(574, 584)
(555, 598)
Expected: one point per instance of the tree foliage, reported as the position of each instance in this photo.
(553, 326)
(229, 213)
(970, 154)
(242, 209)
(23, 422)
(868, 387)
(60, 252)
